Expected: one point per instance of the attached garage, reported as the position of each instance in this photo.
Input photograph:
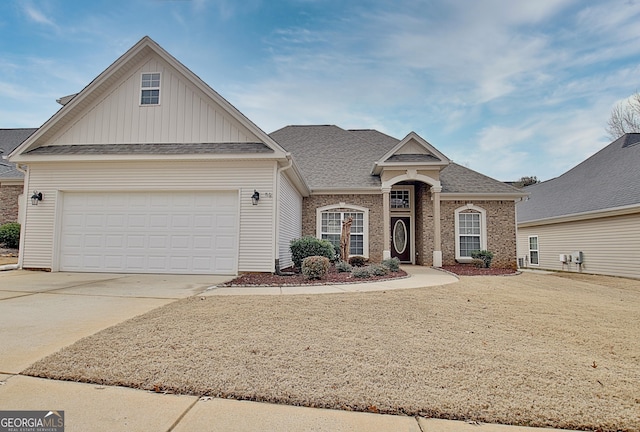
(143, 232)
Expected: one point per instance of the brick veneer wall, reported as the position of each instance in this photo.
(372, 202)
(9, 203)
(501, 231)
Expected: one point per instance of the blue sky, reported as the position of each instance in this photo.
(508, 88)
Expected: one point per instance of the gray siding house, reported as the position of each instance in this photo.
(11, 178)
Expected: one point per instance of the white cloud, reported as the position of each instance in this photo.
(37, 15)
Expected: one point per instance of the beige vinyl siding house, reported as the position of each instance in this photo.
(149, 170)
(591, 211)
(183, 159)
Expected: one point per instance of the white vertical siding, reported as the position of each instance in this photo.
(611, 245)
(256, 222)
(185, 114)
(290, 202)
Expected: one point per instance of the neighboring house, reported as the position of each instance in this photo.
(11, 179)
(588, 219)
(148, 169)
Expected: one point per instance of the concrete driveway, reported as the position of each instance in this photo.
(42, 312)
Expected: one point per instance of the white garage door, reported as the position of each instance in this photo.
(143, 232)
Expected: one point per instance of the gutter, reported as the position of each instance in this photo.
(592, 214)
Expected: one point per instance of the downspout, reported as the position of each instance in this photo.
(277, 211)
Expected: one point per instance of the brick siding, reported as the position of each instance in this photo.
(9, 203)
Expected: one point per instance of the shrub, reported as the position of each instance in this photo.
(343, 267)
(393, 264)
(378, 270)
(361, 272)
(315, 267)
(310, 246)
(10, 235)
(477, 262)
(358, 261)
(483, 255)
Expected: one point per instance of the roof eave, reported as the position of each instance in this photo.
(593, 214)
(496, 196)
(26, 159)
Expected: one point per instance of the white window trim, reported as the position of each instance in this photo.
(409, 209)
(536, 250)
(483, 229)
(150, 88)
(346, 207)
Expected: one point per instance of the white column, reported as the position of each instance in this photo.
(386, 221)
(437, 239)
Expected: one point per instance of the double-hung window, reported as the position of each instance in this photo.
(150, 89)
(533, 250)
(329, 221)
(471, 231)
(331, 228)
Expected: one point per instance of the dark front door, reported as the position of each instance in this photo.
(400, 238)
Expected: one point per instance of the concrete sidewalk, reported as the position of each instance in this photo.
(40, 313)
(419, 277)
(101, 408)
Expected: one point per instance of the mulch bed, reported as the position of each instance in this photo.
(334, 277)
(470, 270)
(297, 279)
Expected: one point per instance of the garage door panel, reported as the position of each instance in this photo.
(159, 232)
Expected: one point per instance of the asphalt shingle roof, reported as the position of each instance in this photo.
(610, 178)
(160, 149)
(9, 140)
(331, 157)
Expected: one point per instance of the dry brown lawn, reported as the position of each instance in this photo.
(538, 350)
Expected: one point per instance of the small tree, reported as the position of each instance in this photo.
(625, 117)
(526, 181)
(345, 239)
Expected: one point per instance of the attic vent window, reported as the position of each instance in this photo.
(150, 89)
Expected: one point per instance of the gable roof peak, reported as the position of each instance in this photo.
(412, 150)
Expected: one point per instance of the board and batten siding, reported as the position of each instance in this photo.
(610, 245)
(256, 236)
(290, 220)
(185, 114)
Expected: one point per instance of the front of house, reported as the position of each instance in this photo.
(149, 170)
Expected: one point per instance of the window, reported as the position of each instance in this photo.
(533, 250)
(150, 89)
(471, 231)
(329, 226)
(400, 199)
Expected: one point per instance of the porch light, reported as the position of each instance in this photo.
(255, 197)
(37, 196)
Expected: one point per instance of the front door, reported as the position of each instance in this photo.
(400, 238)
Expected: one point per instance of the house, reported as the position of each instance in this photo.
(11, 179)
(148, 169)
(588, 219)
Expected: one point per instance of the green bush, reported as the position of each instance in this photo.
(483, 255)
(393, 264)
(361, 272)
(477, 262)
(10, 235)
(378, 270)
(358, 261)
(343, 267)
(310, 246)
(315, 267)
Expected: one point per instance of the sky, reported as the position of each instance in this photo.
(507, 88)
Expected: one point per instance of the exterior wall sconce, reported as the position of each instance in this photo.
(37, 196)
(255, 197)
